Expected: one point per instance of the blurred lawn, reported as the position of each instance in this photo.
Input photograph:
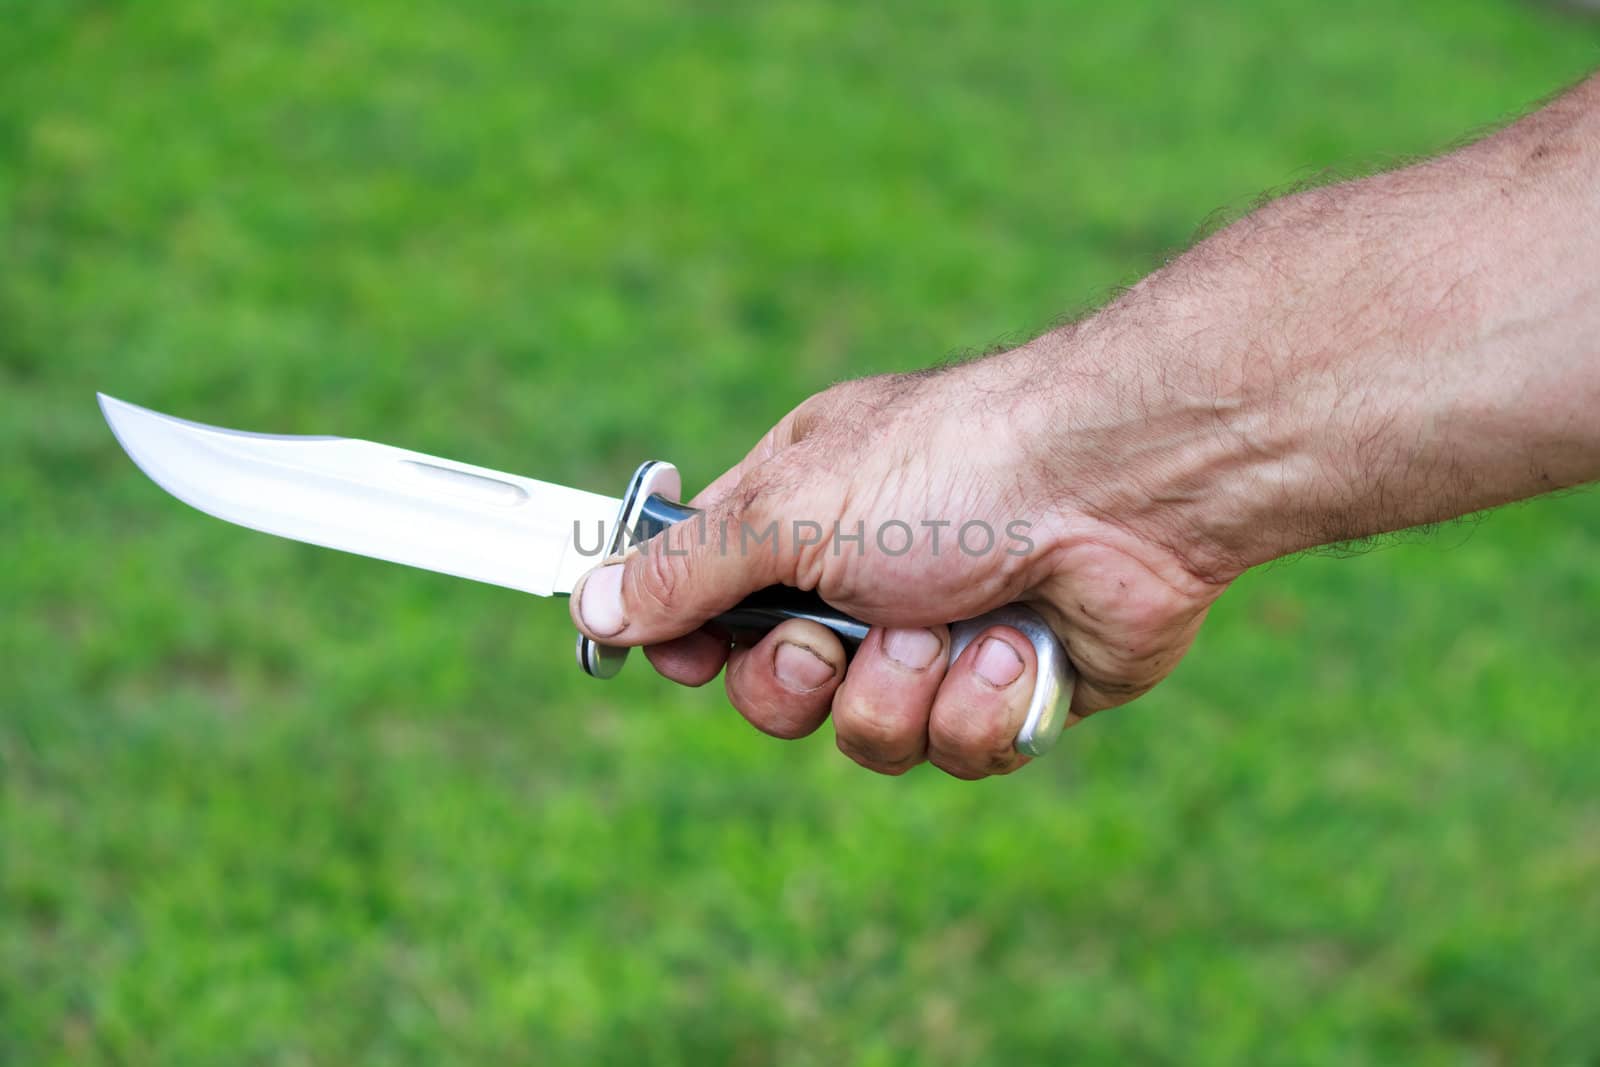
(268, 804)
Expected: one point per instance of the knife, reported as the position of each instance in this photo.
(390, 503)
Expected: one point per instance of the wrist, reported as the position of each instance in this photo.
(1154, 416)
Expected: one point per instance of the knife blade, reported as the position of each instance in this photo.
(374, 500)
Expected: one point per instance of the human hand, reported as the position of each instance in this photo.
(909, 502)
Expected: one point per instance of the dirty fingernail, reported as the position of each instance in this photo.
(801, 669)
(600, 602)
(998, 663)
(912, 649)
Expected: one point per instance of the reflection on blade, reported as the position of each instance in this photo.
(374, 500)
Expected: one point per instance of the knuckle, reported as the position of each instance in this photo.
(784, 727)
(892, 768)
(955, 768)
(999, 763)
(1013, 765)
(941, 738)
(889, 770)
(785, 719)
(875, 726)
(997, 732)
(774, 719)
(753, 498)
(980, 737)
(659, 578)
(822, 408)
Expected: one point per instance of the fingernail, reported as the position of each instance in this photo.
(913, 649)
(801, 669)
(998, 663)
(600, 601)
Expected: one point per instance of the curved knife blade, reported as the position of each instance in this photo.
(374, 500)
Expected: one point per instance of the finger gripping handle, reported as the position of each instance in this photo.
(1053, 681)
(1052, 685)
(646, 512)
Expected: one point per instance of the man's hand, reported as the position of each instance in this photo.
(1344, 362)
(928, 498)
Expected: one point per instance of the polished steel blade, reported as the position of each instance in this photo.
(373, 499)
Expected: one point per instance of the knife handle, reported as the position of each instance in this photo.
(647, 512)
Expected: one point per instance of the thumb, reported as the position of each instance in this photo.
(683, 577)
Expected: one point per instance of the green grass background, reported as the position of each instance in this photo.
(268, 804)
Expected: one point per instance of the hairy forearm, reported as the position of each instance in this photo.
(1350, 360)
